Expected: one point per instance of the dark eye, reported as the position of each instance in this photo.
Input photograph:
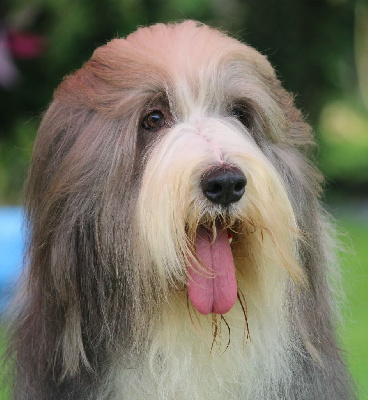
(153, 121)
(243, 115)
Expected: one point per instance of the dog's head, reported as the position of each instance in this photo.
(164, 148)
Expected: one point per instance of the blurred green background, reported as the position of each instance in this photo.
(319, 49)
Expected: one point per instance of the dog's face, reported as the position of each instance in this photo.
(178, 141)
(173, 215)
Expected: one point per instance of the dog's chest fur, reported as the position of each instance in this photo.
(196, 357)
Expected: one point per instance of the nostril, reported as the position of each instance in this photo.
(214, 188)
(224, 185)
(239, 186)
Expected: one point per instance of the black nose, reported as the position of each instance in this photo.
(223, 185)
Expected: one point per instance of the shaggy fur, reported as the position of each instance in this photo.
(113, 211)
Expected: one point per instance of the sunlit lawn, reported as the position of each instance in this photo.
(355, 333)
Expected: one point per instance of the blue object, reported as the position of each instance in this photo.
(11, 252)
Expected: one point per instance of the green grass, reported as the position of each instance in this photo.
(355, 332)
(4, 390)
(355, 274)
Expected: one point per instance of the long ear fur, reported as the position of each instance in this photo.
(313, 312)
(72, 280)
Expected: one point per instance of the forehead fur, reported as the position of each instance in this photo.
(190, 47)
(188, 60)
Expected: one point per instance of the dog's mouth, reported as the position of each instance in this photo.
(212, 286)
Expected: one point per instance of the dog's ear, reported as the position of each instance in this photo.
(81, 167)
(299, 133)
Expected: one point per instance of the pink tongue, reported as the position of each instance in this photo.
(213, 290)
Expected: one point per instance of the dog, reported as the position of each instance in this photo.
(178, 248)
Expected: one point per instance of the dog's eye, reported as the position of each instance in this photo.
(153, 121)
(243, 115)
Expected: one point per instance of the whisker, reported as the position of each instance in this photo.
(243, 305)
(229, 330)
